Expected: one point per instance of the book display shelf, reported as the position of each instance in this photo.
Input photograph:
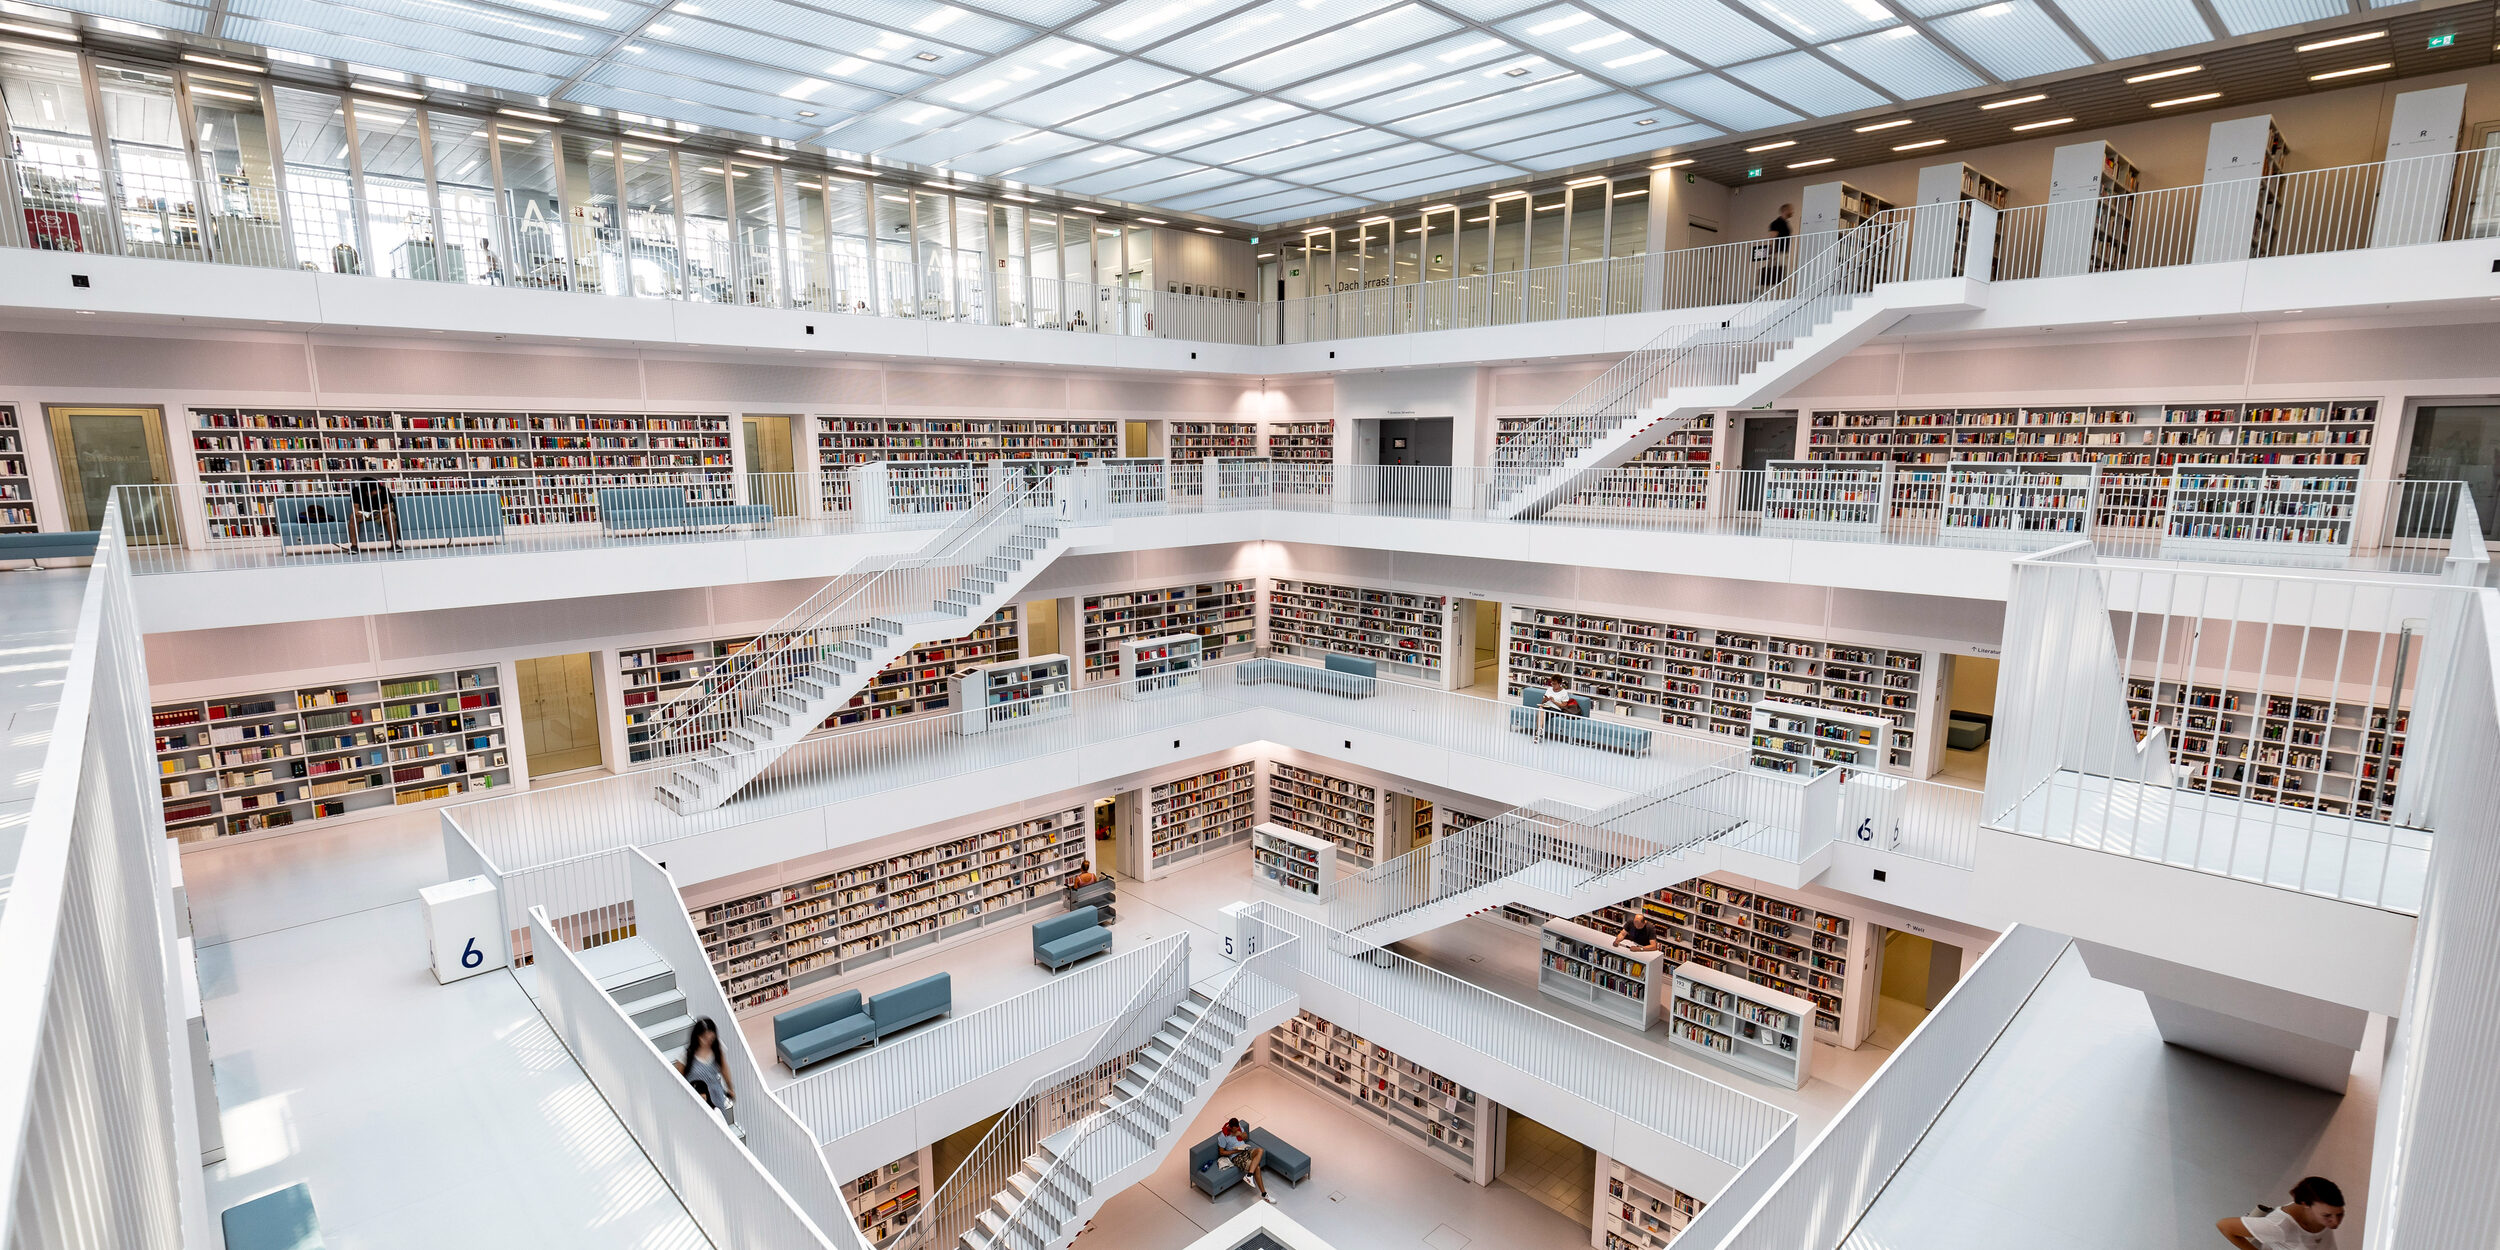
(1774, 940)
(1582, 966)
(1707, 680)
(547, 466)
(280, 759)
(1011, 692)
(915, 683)
(1418, 1106)
(1636, 1212)
(1403, 631)
(17, 488)
(1190, 442)
(1295, 864)
(842, 442)
(1796, 738)
(765, 943)
(2225, 508)
(883, 1201)
(1420, 825)
(1223, 614)
(1826, 497)
(1759, 1032)
(1344, 812)
(2313, 753)
(1303, 442)
(1153, 667)
(1984, 500)
(1194, 815)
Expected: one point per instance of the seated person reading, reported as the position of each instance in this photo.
(1233, 1142)
(1558, 701)
(1639, 935)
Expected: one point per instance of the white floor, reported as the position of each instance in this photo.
(38, 618)
(423, 1116)
(2082, 1130)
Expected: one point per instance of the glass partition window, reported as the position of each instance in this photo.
(849, 233)
(594, 225)
(751, 233)
(1050, 303)
(533, 216)
(1076, 244)
(235, 162)
(709, 272)
(399, 212)
(320, 199)
(59, 183)
(1015, 295)
(897, 282)
(143, 133)
(1137, 278)
(804, 244)
(649, 185)
(976, 242)
(933, 254)
(464, 178)
(1627, 236)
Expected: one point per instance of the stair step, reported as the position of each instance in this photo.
(667, 1004)
(669, 1036)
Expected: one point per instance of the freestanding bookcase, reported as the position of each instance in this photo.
(1990, 501)
(1011, 692)
(1150, 667)
(1294, 864)
(1583, 967)
(1757, 1031)
(1826, 498)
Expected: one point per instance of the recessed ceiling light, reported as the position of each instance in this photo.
(1515, 71)
(762, 156)
(653, 134)
(1675, 164)
(2034, 98)
(1820, 160)
(807, 112)
(2341, 41)
(1912, 147)
(2357, 69)
(1772, 147)
(1154, 221)
(1646, 121)
(2165, 73)
(924, 56)
(526, 115)
(1898, 121)
(389, 91)
(2187, 99)
(196, 59)
(1209, 230)
(89, 312)
(2054, 121)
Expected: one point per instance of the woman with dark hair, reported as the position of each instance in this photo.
(706, 1070)
(2309, 1223)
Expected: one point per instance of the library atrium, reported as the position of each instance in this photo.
(1229, 624)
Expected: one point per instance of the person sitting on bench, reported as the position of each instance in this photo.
(1558, 702)
(370, 496)
(1233, 1142)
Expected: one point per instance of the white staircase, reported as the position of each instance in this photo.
(1841, 295)
(753, 706)
(644, 987)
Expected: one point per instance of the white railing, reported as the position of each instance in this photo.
(733, 1200)
(99, 1139)
(1819, 1198)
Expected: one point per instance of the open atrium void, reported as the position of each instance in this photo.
(1210, 624)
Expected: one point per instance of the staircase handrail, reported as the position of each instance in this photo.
(695, 715)
(1866, 254)
(953, 1207)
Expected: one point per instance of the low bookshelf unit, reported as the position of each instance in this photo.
(1295, 864)
(1583, 967)
(1757, 1031)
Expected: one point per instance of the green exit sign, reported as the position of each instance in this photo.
(1753, 173)
(2442, 41)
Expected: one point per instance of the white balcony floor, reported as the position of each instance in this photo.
(2358, 861)
(519, 539)
(40, 611)
(2082, 1130)
(421, 1115)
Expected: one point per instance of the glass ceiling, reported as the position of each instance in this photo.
(1255, 110)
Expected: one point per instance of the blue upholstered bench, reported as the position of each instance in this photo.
(450, 517)
(1342, 675)
(281, 1219)
(1605, 735)
(320, 521)
(1064, 939)
(1282, 1157)
(624, 509)
(59, 545)
(904, 1006)
(822, 1029)
(1213, 1174)
(1210, 1171)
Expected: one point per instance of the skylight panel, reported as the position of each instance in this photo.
(1085, 162)
(1722, 103)
(1904, 62)
(396, 34)
(1815, 21)
(516, 73)
(1134, 24)
(1543, 121)
(1572, 35)
(1034, 67)
(1455, 89)
(1546, 94)
(1342, 48)
(939, 21)
(1122, 176)
(146, 13)
(603, 95)
(1184, 100)
(1384, 158)
(806, 41)
(1251, 142)
(1705, 31)
(1610, 137)
(1291, 161)
(2124, 28)
(1531, 155)
(1489, 10)
(2011, 39)
(1437, 174)
(902, 120)
(1260, 30)
(1115, 83)
(1807, 84)
(1044, 14)
(1025, 147)
(944, 147)
(1247, 188)
(1126, 185)
(2246, 16)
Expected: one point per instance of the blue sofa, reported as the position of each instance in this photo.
(281, 1219)
(59, 545)
(822, 1029)
(904, 1006)
(319, 521)
(625, 509)
(1066, 938)
(449, 517)
(1210, 1171)
(1282, 1157)
(1341, 675)
(1605, 735)
(1213, 1174)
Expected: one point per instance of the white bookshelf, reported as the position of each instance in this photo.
(1341, 811)
(1797, 738)
(1427, 1111)
(1303, 442)
(1637, 1212)
(1189, 442)
(884, 1200)
(1582, 966)
(767, 941)
(2223, 509)
(1827, 498)
(2314, 752)
(1296, 865)
(1987, 500)
(1405, 632)
(1757, 1031)
(1152, 667)
(284, 759)
(1011, 692)
(1224, 615)
(17, 486)
(1771, 937)
(1192, 815)
(845, 441)
(2090, 224)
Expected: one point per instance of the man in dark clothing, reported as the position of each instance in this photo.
(1775, 258)
(371, 497)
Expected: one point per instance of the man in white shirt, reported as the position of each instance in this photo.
(2309, 1223)
(1233, 1142)
(1558, 702)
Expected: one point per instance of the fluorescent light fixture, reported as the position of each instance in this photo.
(1154, 221)
(1912, 147)
(1106, 230)
(854, 169)
(1675, 164)
(762, 156)
(1371, 221)
(2357, 69)
(196, 59)
(1020, 199)
(653, 134)
(222, 94)
(895, 199)
(2341, 41)
(2054, 121)
(389, 91)
(1095, 211)
(1510, 195)
(1265, 256)
(2160, 74)
(2187, 99)
(526, 115)
(944, 186)
(1582, 182)
(1477, 221)
(1820, 160)
(1438, 208)
(1898, 121)
(60, 33)
(1209, 230)
(804, 184)
(1308, 231)
(1634, 193)
(1772, 147)
(2034, 98)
